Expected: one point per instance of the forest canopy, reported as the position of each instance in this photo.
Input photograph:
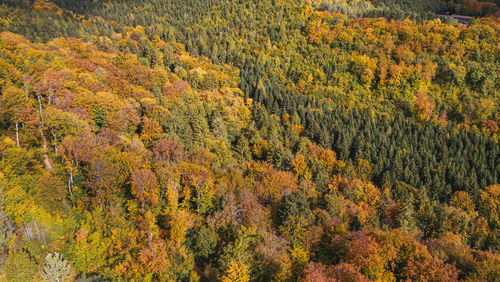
(249, 140)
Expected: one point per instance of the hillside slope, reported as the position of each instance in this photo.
(246, 140)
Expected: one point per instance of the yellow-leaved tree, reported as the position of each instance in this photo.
(237, 272)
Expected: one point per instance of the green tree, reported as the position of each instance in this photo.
(20, 266)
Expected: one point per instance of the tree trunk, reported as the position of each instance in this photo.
(198, 197)
(46, 158)
(27, 79)
(17, 134)
(55, 140)
(40, 108)
(70, 181)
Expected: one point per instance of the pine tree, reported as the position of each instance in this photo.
(56, 268)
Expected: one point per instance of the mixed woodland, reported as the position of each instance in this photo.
(256, 140)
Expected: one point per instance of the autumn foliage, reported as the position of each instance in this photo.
(247, 141)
